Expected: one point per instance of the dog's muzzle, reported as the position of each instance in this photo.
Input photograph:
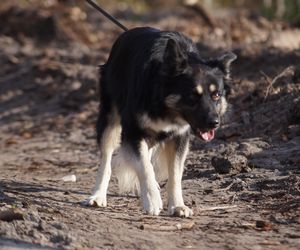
(209, 133)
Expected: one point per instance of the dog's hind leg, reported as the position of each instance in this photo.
(109, 132)
(172, 156)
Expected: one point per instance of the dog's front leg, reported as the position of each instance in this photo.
(150, 193)
(109, 142)
(177, 150)
(98, 197)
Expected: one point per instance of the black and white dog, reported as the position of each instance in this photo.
(154, 90)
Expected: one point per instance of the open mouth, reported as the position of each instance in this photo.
(206, 135)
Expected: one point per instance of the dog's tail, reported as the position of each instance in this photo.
(127, 177)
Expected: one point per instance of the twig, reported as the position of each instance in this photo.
(232, 198)
(176, 227)
(216, 208)
(227, 188)
(61, 163)
(86, 170)
(272, 81)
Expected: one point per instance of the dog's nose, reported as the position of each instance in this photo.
(214, 123)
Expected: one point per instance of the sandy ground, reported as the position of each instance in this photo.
(48, 107)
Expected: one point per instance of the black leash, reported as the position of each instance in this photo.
(103, 12)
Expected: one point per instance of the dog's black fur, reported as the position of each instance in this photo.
(154, 88)
(145, 66)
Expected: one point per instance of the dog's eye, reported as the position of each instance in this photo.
(216, 96)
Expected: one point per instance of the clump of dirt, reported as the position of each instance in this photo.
(230, 164)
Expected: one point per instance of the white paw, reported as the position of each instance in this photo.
(181, 211)
(152, 202)
(96, 201)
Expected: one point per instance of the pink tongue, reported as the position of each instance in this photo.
(207, 136)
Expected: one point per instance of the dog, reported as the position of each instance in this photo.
(155, 90)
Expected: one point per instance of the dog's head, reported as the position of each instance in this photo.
(195, 89)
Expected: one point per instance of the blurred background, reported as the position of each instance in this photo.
(229, 21)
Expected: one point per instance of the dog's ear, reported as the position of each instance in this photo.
(174, 59)
(223, 62)
(226, 61)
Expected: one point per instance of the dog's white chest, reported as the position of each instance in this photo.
(160, 125)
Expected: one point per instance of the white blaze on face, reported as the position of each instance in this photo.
(199, 89)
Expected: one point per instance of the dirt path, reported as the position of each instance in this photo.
(48, 102)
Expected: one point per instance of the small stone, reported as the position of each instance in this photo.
(69, 178)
